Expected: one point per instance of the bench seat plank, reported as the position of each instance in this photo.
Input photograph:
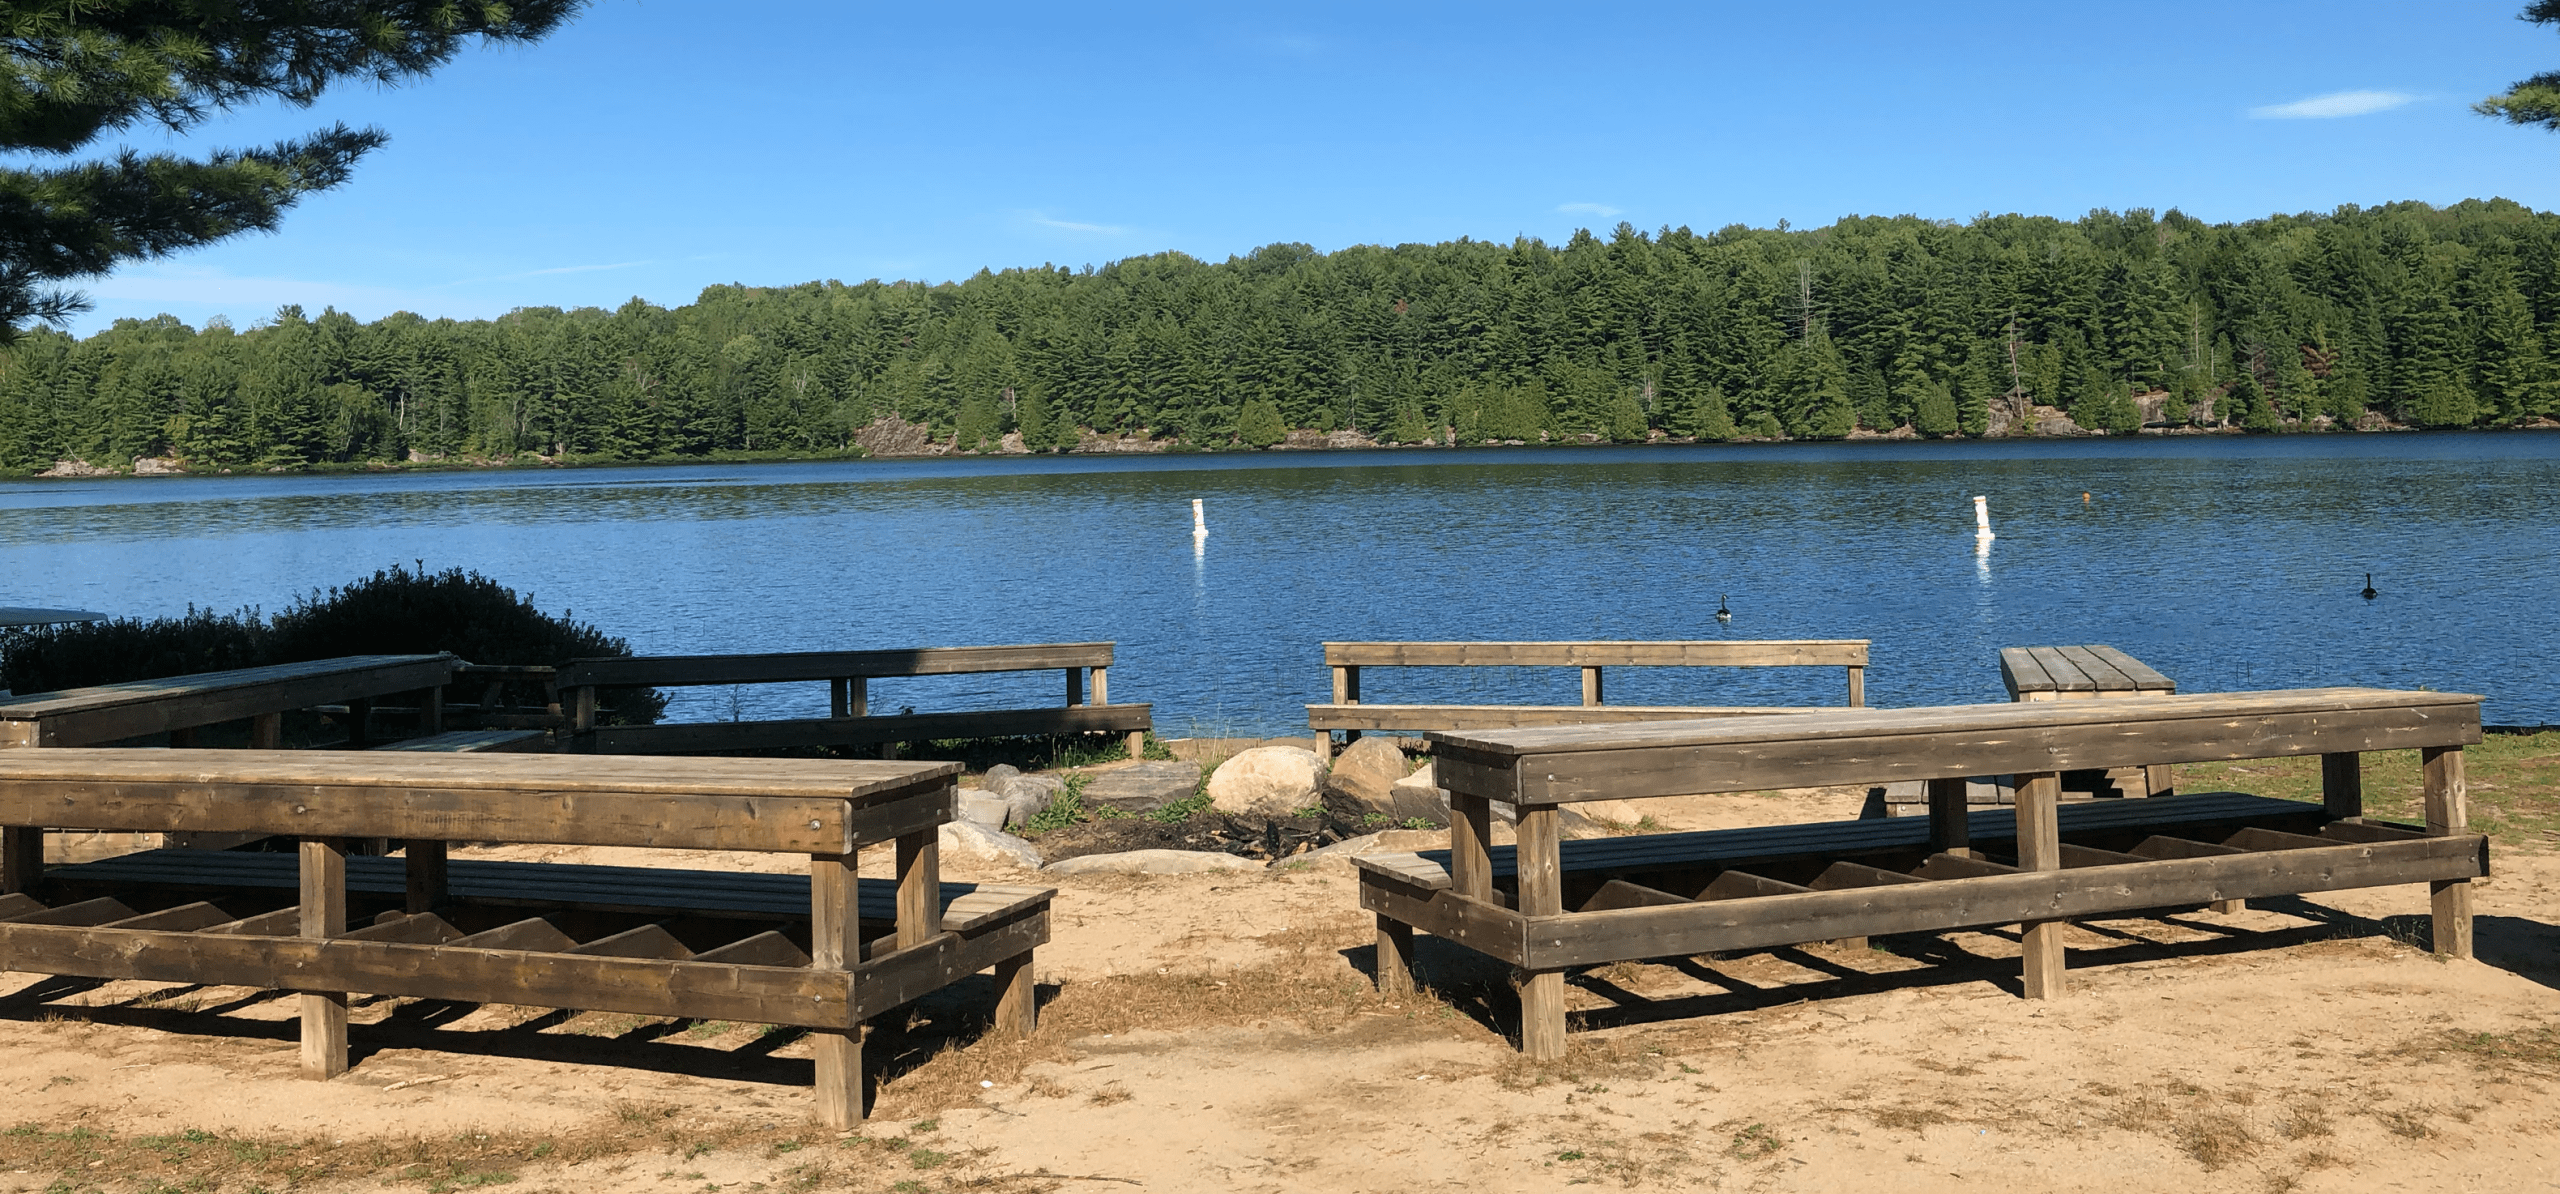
(1505, 717)
(114, 712)
(1618, 653)
(472, 742)
(966, 906)
(710, 736)
(786, 667)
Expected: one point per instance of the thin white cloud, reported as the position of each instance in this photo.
(2333, 105)
(1587, 209)
(1076, 226)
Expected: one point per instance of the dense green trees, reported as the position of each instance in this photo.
(72, 71)
(2433, 317)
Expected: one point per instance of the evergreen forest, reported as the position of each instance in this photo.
(2404, 314)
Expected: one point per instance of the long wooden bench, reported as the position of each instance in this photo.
(179, 705)
(1547, 906)
(825, 952)
(848, 675)
(1347, 714)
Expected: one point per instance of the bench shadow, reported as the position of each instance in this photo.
(896, 1044)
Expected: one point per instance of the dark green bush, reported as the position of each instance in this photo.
(395, 611)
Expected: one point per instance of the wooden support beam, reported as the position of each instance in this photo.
(1075, 686)
(2342, 784)
(1541, 874)
(835, 943)
(647, 941)
(2448, 797)
(919, 887)
(359, 721)
(1102, 686)
(837, 698)
(533, 933)
(1591, 686)
(1948, 832)
(21, 858)
(2040, 849)
(1618, 893)
(323, 913)
(1857, 686)
(428, 871)
(1470, 846)
(431, 710)
(1017, 997)
(1395, 956)
(266, 731)
(1743, 885)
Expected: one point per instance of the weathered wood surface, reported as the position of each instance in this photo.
(113, 712)
(1708, 653)
(712, 736)
(665, 671)
(1570, 763)
(1504, 717)
(791, 805)
(2094, 670)
(965, 907)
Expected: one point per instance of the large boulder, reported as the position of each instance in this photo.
(1151, 862)
(1142, 787)
(966, 842)
(1365, 770)
(1028, 795)
(998, 776)
(1267, 781)
(1417, 797)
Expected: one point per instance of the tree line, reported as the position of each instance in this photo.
(2423, 316)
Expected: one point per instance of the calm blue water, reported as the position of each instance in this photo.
(2228, 563)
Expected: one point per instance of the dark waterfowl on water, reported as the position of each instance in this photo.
(2369, 594)
(1722, 614)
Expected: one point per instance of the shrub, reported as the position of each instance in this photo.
(393, 612)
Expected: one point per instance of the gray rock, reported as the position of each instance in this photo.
(1142, 787)
(984, 809)
(970, 842)
(1370, 773)
(1151, 862)
(998, 776)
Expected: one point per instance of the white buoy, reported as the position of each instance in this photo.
(1199, 521)
(1981, 517)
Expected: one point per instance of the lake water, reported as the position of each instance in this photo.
(2227, 563)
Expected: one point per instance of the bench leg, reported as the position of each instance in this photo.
(835, 943)
(2040, 849)
(266, 731)
(21, 858)
(1541, 873)
(1542, 1016)
(1017, 1008)
(426, 865)
(1137, 744)
(324, 914)
(2448, 814)
(1395, 956)
(1324, 746)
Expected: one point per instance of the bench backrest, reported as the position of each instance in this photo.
(1717, 653)
(800, 806)
(676, 671)
(1860, 746)
(108, 712)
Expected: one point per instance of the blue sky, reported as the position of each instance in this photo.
(653, 148)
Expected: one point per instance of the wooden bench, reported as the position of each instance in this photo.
(179, 705)
(848, 675)
(825, 952)
(2058, 674)
(1348, 714)
(1547, 906)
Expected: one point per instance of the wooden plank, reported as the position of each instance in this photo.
(1881, 746)
(103, 910)
(893, 980)
(1470, 846)
(18, 903)
(472, 742)
(2079, 856)
(919, 865)
(533, 933)
(2369, 831)
(2066, 674)
(1395, 956)
(1017, 1012)
(280, 923)
(410, 929)
(715, 736)
(1480, 925)
(2255, 838)
(639, 986)
(835, 779)
(426, 868)
(2040, 949)
(1618, 893)
(647, 941)
(1617, 653)
(1949, 827)
(1504, 717)
(2159, 847)
(2021, 674)
(1541, 883)
(675, 671)
(2342, 784)
(1591, 686)
(1743, 885)
(1960, 866)
(1840, 875)
(769, 948)
(113, 712)
(1581, 939)
(1857, 686)
(21, 858)
(835, 943)
(185, 918)
(2145, 678)
(323, 914)
(2448, 801)
(2101, 673)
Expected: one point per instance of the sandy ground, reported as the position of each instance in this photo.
(1216, 1032)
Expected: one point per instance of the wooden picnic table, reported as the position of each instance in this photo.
(824, 952)
(178, 705)
(1548, 906)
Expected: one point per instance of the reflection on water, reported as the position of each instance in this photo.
(2226, 563)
